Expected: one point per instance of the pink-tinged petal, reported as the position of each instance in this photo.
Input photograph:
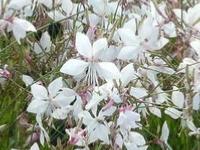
(74, 67)
(83, 45)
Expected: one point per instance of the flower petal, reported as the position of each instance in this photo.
(99, 46)
(108, 71)
(165, 132)
(83, 45)
(39, 91)
(74, 67)
(172, 112)
(55, 86)
(129, 52)
(38, 106)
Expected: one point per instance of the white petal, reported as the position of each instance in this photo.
(191, 126)
(99, 6)
(109, 54)
(108, 71)
(136, 142)
(19, 28)
(27, 80)
(181, 14)
(196, 102)
(99, 46)
(162, 69)
(138, 92)
(129, 52)
(119, 140)
(67, 6)
(127, 74)
(155, 111)
(172, 112)
(18, 33)
(196, 46)
(95, 100)
(102, 132)
(61, 113)
(19, 4)
(128, 37)
(131, 24)
(45, 41)
(38, 106)
(87, 119)
(55, 86)
(193, 14)
(39, 91)
(24, 24)
(65, 97)
(35, 147)
(74, 67)
(178, 98)
(107, 111)
(165, 132)
(83, 45)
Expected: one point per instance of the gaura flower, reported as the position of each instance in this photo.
(90, 67)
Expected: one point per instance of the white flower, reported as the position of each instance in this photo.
(47, 101)
(135, 141)
(104, 8)
(161, 19)
(91, 65)
(136, 45)
(127, 118)
(18, 26)
(97, 127)
(189, 17)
